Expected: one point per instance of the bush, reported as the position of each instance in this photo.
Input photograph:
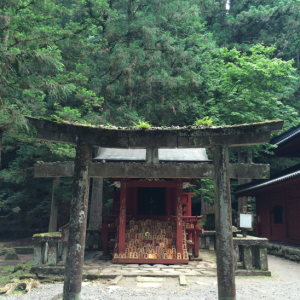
(11, 254)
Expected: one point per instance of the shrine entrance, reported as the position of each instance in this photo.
(151, 201)
(147, 152)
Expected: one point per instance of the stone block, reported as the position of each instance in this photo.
(247, 258)
(182, 280)
(260, 258)
(116, 280)
(52, 254)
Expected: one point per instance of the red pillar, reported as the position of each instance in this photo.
(122, 217)
(179, 216)
(189, 212)
(196, 244)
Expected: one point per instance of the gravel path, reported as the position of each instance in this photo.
(284, 284)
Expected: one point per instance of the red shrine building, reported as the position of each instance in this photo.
(278, 199)
(143, 224)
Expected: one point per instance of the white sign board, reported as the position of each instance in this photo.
(245, 221)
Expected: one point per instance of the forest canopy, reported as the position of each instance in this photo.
(121, 62)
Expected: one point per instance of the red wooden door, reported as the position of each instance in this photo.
(278, 232)
(263, 217)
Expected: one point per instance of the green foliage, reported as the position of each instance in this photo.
(204, 122)
(142, 125)
(123, 62)
(11, 254)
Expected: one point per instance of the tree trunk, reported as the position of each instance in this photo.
(77, 227)
(206, 208)
(1, 136)
(242, 201)
(54, 207)
(95, 221)
(223, 222)
(249, 161)
(4, 24)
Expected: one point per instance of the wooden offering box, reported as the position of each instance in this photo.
(151, 241)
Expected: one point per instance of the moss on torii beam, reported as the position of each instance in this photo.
(155, 137)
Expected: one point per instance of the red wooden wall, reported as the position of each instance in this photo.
(287, 195)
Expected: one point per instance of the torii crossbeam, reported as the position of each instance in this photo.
(217, 138)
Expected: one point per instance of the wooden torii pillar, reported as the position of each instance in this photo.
(217, 138)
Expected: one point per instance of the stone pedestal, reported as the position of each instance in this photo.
(52, 253)
(247, 255)
(37, 254)
(260, 258)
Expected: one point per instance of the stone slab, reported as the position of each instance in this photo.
(149, 279)
(145, 266)
(132, 266)
(93, 271)
(116, 280)
(209, 273)
(182, 280)
(193, 273)
(252, 273)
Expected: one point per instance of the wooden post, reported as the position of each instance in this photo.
(54, 206)
(122, 220)
(179, 217)
(77, 228)
(225, 258)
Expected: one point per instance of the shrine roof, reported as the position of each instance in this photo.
(280, 177)
(184, 155)
(286, 136)
(288, 143)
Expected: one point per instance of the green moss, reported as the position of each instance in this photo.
(29, 263)
(142, 125)
(5, 279)
(24, 250)
(6, 269)
(48, 234)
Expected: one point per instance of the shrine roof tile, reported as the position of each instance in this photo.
(280, 177)
(286, 136)
(178, 155)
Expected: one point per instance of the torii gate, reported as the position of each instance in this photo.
(217, 138)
